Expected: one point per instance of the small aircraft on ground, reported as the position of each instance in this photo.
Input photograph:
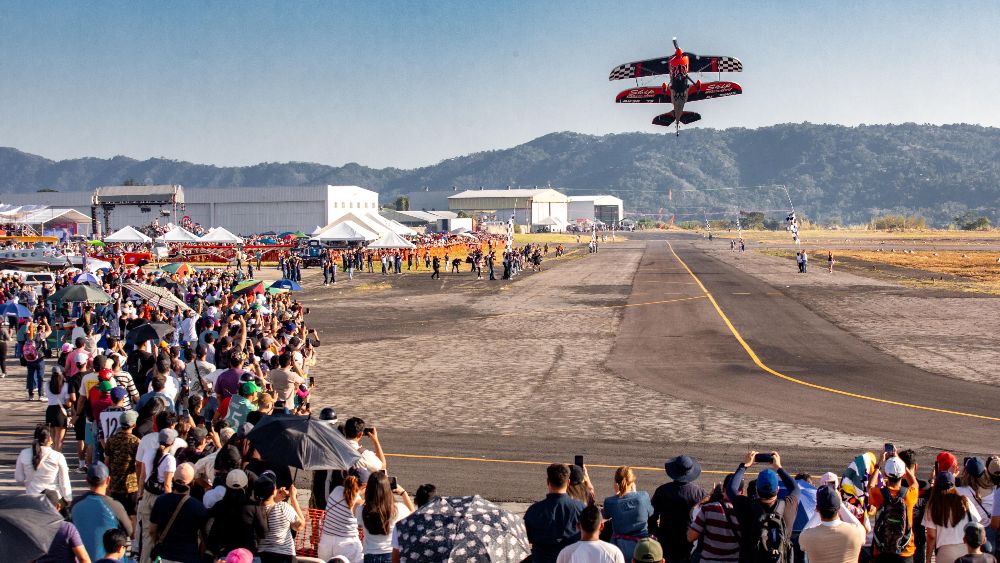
(681, 89)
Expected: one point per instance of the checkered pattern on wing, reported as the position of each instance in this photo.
(729, 64)
(626, 70)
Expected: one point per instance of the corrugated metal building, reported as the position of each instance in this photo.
(605, 208)
(240, 210)
(529, 206)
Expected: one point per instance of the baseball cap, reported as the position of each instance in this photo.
(894, 467)
(184, 473)
(197, 433)
(67, 347)
(575, 475)
(829, 478)
(945, 480)
(647, 551)
(167, 436)
(975, 534)
(767, 483)
(946, 461)
(128, 418)
(97, 473)
(249, 388)
(240, 555)
(827, 498)
(236, 479)
(118, 393)
(226, 433)
(82, 358)
(975, 467)
(105, 386)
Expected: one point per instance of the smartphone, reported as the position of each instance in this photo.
(367, 432)
(393, 484)
(763, 458)
(312, 381)
(890, 448)
(578, 461)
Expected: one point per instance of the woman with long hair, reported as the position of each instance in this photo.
(340, 526)
(945, 516)
(379, 515)
(976, 485)
(41, 468)
(60, 398)
(629, 510)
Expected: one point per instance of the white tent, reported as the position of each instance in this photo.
(316, 231)
(127, 234)
(394, 226)
(220, 235)
(347, 231)
(391, 240)
(178, 234)
(362, 220)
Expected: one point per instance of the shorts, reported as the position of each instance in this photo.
(129, 501)
(55, 415)
(90, 435)
(80, 428)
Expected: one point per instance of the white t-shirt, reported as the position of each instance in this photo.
(168, 464)
(951, 535)
(151, 441)
(591, 552)
(983, 504)
(368, 464)
(378, 543)
(57, 399)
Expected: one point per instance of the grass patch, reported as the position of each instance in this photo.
(558, 238)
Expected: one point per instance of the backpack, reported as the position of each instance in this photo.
(892, 529)
(773, 545)
(28, 351)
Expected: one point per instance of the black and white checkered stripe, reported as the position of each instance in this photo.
(626, 70)
(729, 64)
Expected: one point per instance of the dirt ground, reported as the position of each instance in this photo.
(945, 331)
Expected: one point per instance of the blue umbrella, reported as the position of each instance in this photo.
(11, 309)
(287, 284)
(268, 241)
(87, 277)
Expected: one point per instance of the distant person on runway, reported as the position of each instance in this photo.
(829, 261)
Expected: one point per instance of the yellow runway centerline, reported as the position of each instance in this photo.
(763, 366)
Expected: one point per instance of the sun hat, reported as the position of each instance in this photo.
(683, 468)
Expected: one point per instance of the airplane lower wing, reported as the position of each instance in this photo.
(644, 95)
(709, 90)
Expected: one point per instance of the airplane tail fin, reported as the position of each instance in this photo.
(667, 119)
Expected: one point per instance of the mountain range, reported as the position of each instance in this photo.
(832, 173)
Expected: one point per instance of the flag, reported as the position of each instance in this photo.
(858, 473)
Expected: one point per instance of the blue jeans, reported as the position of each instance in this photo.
(35, 371)
(378, 558)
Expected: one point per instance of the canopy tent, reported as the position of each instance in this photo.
(127, 234)
(391, 240)
(369, 221)
(220, 235)
(347, 231)
(317, 230)
(394, 226)
(157, 296)
(178, 234)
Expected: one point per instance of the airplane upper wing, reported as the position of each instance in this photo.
(661, 65)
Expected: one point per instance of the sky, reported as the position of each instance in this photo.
(407, 84)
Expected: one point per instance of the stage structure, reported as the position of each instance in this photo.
(146, 198)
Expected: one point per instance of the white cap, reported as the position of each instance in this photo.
(829, 478)
(894, 467)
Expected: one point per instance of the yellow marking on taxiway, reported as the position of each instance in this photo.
(529, 462)
(763, 366)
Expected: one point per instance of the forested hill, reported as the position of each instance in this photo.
(832, 172)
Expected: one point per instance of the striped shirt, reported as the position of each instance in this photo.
(339, 521)
(719, 541)
(280, 517)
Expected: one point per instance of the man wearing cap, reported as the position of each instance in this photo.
(648, 551)
(899, 480)
(95, 513)
(109, 419)
(672, 504)
(834, 540)
(551, 523)
(242, 405)
(238, 521)
(73, 359)
(119, 454)
(749, 511)
(974, 537)
(177, 521)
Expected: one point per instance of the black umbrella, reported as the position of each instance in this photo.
(148, 331)
(457, 529)
(28, 524)
(302, 442)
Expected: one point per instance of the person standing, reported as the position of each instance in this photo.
(437, 268)
(829, 261)
(672, 504)
(889, 500)
(798, 260)
(945, 517)
(805, 262)
(590, 548)
(95, 513)
(629, 510)
(764, 516)
(40, 468)
(834, 540)
(177, 521)
(551, 523)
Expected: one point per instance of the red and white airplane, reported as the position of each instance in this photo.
(682, 89)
